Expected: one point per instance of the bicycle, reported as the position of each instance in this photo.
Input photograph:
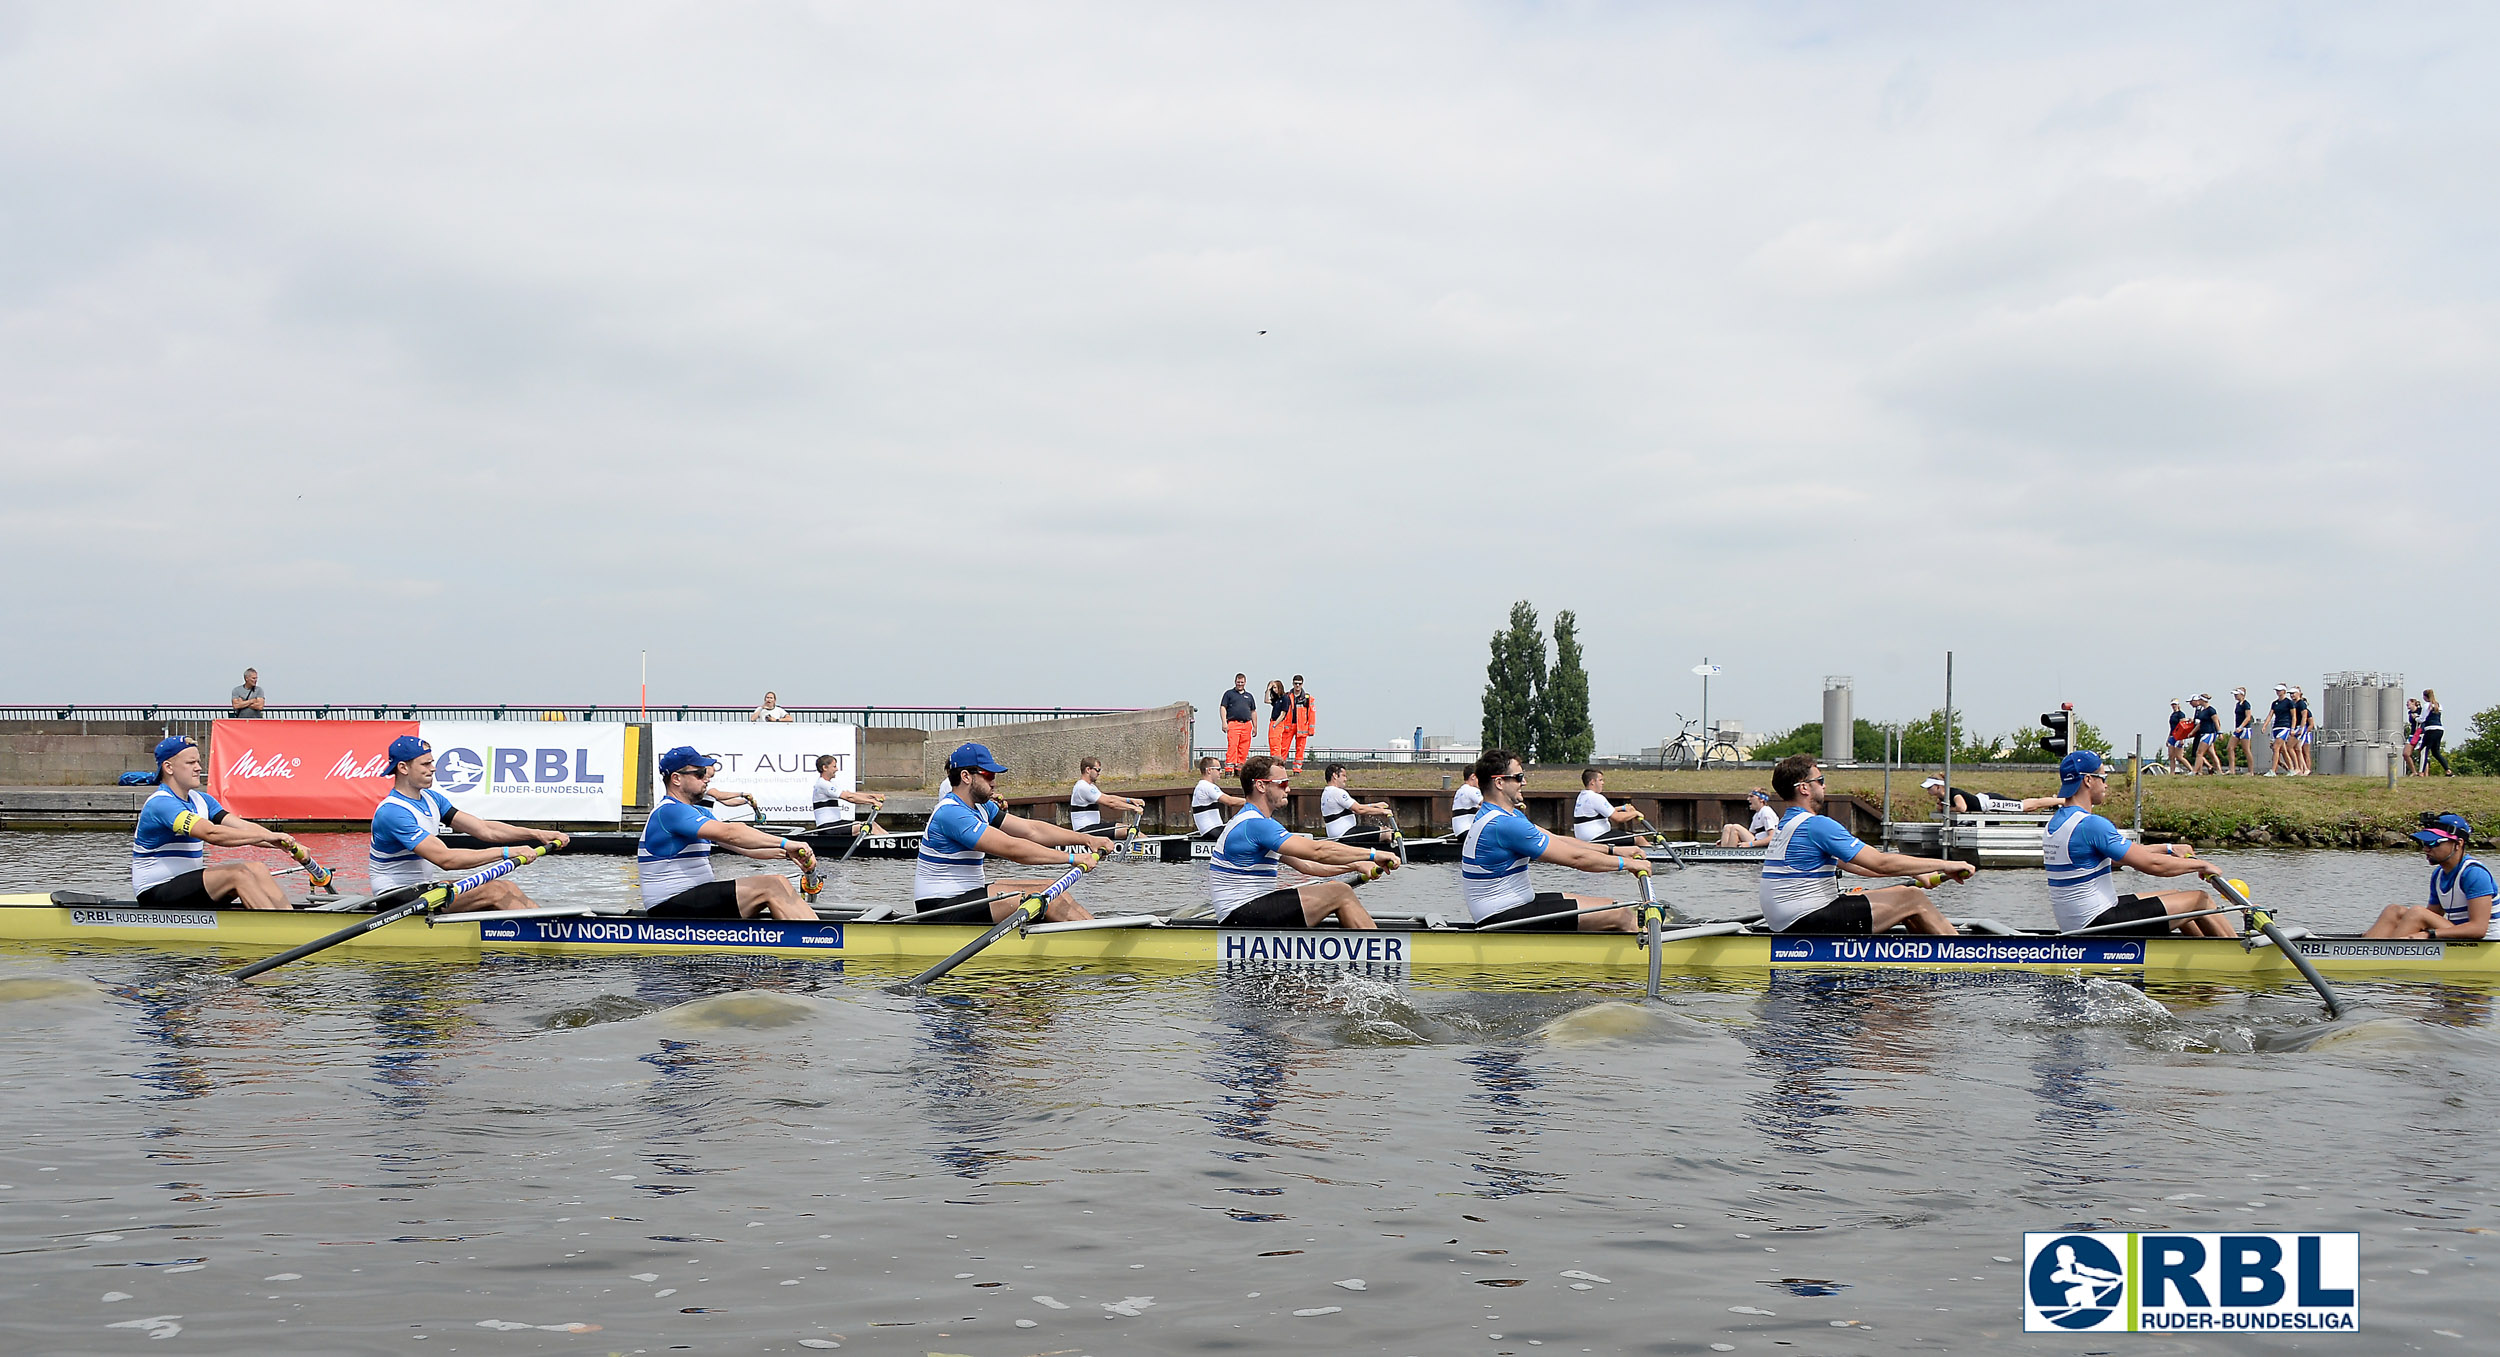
(1690, 749)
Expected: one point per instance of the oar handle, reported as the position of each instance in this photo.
(315, 874)
(427, 897)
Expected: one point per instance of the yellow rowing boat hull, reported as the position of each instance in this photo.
(31, 918)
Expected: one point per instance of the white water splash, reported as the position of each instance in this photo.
(159, 1327)
(1131, 1306)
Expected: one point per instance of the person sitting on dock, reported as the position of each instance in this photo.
(1493, 862)
(1464, 803)
(1592, 815)
(2461, 888)
(971, 825)
(1241, 877)
(1339, 812)
(837, 811)
(2081, 851)
(675, 857)
(1757, 831)
(1799, 890)
(1972, 801)
(169, 847)
(408, 826)
(1209, 803)
(1087, 802)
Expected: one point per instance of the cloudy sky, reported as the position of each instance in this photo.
(1087, 353)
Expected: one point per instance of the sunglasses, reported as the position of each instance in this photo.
(1273, 782)
(1510, 777)
(1807, 782)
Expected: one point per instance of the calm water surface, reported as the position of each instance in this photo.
(522, 1155)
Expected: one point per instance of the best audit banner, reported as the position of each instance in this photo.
(774, 760)
(530, 771)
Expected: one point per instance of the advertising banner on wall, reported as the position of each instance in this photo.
(530, 771)
(774, 760)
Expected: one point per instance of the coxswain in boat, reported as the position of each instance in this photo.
(1241, 877)
(169, 848)
(1339, 812)
(2461, 888)
(970, 825)
(676, 853)
(1800, 893)
(1756, 831)
(1465, 802)
(1972, 801)
(408, 847)
(837, 811)
(1209, 803)
(1494, 855)
(1087, 802)
(2081, 851)
(1592, 815)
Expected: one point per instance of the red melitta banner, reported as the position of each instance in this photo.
(301, 770)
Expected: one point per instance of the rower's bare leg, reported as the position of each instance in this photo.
(1321, 899)
(1735, 836)
(1609, 921)
(1909, 907)
(246, 883)
(771, 893)
(496, 894)
(2188, 902)
(2404, 921)
(1063, 910)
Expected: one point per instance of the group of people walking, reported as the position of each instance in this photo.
(1291, 719)
(2196, 742)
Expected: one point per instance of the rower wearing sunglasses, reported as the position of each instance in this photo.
(1800, 888)
(969, 827)
(1241, 877)
(675, 858)
(1493, 861)
(2081, 849)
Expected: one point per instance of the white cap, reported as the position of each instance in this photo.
(1933, 782)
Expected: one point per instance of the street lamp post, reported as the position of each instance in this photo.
(1705, 669)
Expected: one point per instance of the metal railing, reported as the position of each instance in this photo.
(916, 718)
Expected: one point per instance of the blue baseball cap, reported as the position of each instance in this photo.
(683, 757)
(974, 756)
(171, 745)
(2074, 768)
(405, 749)
(2448, 828)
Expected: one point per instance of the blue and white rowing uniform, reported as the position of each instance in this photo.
(1206, 807)
(950, 852)
(400, 823)
(1336, 812)
(1082, 800)
(1493, 861)
(2450, 892)
(674, 856)
(2081, 851)
(1463, 804)
(1801, 867)
(158, 852)
(1244, 865)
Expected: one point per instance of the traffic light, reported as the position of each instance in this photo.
(2060, 741)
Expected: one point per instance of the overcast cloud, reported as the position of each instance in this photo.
(1086, 354)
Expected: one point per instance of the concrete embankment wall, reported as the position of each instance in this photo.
(82, 753)
(1140, 744)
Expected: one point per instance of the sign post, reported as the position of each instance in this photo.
(1705, 669)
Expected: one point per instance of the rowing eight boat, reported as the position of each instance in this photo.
(72, 917)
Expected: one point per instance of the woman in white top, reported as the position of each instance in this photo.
(771, 710)
(1758, 830)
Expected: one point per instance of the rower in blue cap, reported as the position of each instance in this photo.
(676, 853)
(169, 848)
(2082, 850)
(408, 847)
(2461, 888)
(969, 826)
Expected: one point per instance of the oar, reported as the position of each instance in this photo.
(2139, 923)
(425, 898)
(2230, 891)
(1653, 921)
(1026, 910)
(314, 873)
(863, 831)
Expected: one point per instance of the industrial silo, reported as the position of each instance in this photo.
(1840, 725)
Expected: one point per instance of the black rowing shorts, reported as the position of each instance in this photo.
(2144, 910)
(1546, 902)
(187, 891)
(1276, 909)
(942, 901)
(711, 900)
(1849, 916)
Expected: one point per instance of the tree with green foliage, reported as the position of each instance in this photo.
(1866, 743)
(2480, 754)
(1514, 684)
(1563, 733)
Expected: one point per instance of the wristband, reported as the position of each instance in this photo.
(1071, 856)
(507, 855)
(781, 843)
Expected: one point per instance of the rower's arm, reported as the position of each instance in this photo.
(450, 859)
(1873, 861)
(864, 798)
(2154, 862)
(1374, 808)
(1008, 839)
(1624, 814)
(1327, 857)
(748, 841)
(2032, 804)
(2477, 921)
(236, 832)
(494, 832)
(1565, 851)
(1049, 835)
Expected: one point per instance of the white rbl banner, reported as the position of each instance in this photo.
(530, 771)
(773, 760)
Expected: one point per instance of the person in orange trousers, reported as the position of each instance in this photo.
(1301, 718)
(1241, 720)
(1279, 729)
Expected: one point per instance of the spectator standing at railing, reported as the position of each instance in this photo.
(248, 702)
(1241, 720)
(771, 710)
